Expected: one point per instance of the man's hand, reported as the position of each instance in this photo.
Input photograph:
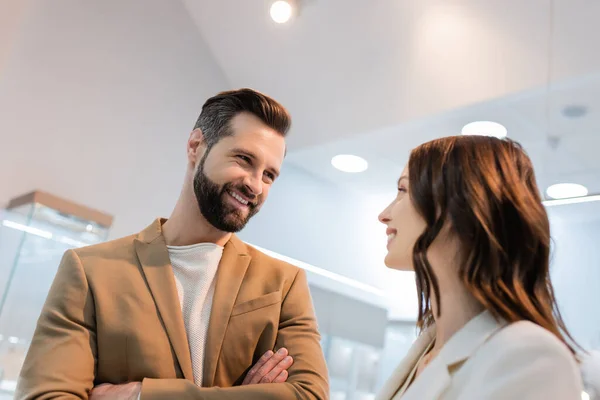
(127, 391)
(271, 368)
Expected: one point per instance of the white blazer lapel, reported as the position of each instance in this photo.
(431, 383)
(399, 375)
(470, 338)
(436, 377)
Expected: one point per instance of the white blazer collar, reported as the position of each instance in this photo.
(436, 377)
(469, 338)
(400, 374)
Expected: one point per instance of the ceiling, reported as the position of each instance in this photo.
(531, 118)
(350, 67)
(376, 79)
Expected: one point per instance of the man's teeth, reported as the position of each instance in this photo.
(239, 198)
(391, 236)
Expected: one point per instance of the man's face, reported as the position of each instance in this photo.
(234, 177)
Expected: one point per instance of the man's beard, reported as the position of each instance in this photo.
(214, 206)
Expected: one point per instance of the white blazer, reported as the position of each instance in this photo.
(490, 360)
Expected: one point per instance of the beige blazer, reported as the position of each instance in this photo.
(113, 316)
(490, 360)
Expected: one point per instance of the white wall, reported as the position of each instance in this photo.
(313, 221)
(576, 269)
(347, 318)
(96, 101)
(11, 17)
(316, 222)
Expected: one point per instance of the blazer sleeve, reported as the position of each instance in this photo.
(60, 363)
(297, 332)
(532, 368)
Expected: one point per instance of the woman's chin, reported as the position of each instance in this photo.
(397, 265)
(389, 262)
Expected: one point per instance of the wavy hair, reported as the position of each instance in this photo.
(485, 189)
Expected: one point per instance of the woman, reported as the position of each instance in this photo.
(468, 219)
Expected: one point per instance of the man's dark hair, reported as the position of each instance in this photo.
(219, 110)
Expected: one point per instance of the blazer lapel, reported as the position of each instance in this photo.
(470, 338)
(229, 279)
(399, 375)
(430, 384)
(156, 266)
(437, 376)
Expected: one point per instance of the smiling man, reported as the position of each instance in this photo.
(185, 309)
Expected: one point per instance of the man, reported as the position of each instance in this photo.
(183, 309)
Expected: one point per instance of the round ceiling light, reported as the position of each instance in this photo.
(349, 163)
(575, 111)
(281, 11)
(485, 128)
(566, 190)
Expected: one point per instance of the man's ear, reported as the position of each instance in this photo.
(196, 146)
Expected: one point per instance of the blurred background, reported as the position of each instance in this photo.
(97, 99)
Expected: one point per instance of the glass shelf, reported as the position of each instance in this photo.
(33, 239)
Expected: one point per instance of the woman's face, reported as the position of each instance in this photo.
(404, 226)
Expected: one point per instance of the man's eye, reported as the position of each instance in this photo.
(270, 176)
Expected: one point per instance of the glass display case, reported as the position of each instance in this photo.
(353, 368)
(35, 231)
(352, 338)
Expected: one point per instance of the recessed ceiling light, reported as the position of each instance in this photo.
(574, 111)
(566, 190)
(281, 11)
(349, 163)
(485, 128)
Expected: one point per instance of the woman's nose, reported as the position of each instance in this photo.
(384, 217)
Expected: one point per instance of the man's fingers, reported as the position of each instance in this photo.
(261, 361)
(123, 391)
(268, 366)
(99, 390)
(282, 377)
(282, 366)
